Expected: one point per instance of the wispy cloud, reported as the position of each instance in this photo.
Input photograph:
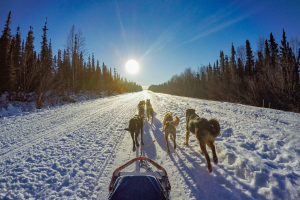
(219, 27)
(211, 24)
(216, 26)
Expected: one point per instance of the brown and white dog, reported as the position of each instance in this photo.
(205, 131)
(169, 128)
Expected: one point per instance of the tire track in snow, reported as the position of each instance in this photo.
(74, 181)
(44, 116)
(35, 139)
(57, 130)
(106, 162)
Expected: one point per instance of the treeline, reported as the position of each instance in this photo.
(271, 77)
(23, 70)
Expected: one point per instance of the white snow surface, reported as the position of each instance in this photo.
(70, 151)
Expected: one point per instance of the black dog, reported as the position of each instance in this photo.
(205, 131)
(135, 128)
(150, 112)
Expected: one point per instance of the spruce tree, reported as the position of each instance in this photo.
(249, 59)
(284, 59)
(104, 75)
(240, 68)
(45, 55)
(267, 53)
(218, 71)
(18, 58)
(98, 78)
(227, 70)
(29, 62)
(89, 74)
(222, 65)
(209, 73)
(50, 58)
(283, 47)
(5, 40)
(67, 72)
(12, 68)
(59, 61)
(80, 72)
(273, 47)
(232, 60)
(289, 66)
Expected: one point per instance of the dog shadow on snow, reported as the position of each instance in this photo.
(150, 151)
(202, 179)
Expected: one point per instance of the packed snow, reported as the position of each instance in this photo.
(70, 151)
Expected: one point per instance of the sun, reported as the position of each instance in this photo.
(132, 66)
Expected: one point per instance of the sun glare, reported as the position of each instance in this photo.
(132, 66)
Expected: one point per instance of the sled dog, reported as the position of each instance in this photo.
(169, 128)
(150, 113)
(135, 128)
(206, 133)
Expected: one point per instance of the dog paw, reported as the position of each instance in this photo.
(215, 160)
(186, 143)
(133, 149)
(137, 144)
(168, 150)
(201, 153)
(210, 169)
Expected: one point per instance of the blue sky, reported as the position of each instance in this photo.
(165, 37)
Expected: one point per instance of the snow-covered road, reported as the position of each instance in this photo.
(70, 151)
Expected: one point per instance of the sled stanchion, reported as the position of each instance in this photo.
(138, 159)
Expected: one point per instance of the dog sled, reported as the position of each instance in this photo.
(144, 183)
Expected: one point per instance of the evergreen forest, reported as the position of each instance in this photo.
(23, 70)
(268, 77)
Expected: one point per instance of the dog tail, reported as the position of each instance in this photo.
(173, 123)
(126, 129)
(216, 126)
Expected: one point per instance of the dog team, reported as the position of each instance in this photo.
(205, 130)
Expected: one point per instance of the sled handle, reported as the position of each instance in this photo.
(132, 161)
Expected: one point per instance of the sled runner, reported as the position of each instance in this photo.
(144, 185)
